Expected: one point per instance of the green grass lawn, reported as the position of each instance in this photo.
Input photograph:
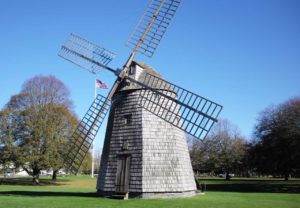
(80, 192)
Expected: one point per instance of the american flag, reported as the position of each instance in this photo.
(100, 84)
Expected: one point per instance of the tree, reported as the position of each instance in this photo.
(277, 133)
(222, 150)
(7, 152)
(41, 121)
(86, 167)
(60, 126)
(200, 155)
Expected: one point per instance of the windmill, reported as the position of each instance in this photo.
(145, 153)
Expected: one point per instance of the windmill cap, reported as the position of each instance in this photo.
(146, 69)
(138, 71)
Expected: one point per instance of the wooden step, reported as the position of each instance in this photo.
(123, 196)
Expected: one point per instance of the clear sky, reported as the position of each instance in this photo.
(243, 54)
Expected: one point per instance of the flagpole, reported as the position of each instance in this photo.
(93, 143)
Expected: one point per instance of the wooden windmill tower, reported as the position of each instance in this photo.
(145, 153)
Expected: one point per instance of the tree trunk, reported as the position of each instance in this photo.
(54, 175)
(35, 179)
(286, 176)
(36, 176)
(227, 176)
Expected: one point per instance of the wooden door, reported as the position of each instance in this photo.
(122, 177)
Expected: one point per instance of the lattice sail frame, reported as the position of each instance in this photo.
(190, 112)
(152, 26)
(85, 133)
(86, 54)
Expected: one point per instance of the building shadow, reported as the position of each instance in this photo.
(28, 182)
(255, 186)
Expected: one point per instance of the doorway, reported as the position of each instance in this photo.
(122, 177)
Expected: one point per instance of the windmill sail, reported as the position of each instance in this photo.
(152, 26)
(86, 54)
(190, 112)
(85, 133)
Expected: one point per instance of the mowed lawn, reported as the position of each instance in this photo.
(80, 191)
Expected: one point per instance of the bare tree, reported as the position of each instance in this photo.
(45, 90)
(222, 150)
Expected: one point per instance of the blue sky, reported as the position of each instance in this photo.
(244, 55)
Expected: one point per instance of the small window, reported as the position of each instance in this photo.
(132, 70)
(127, 119)
(125, 145)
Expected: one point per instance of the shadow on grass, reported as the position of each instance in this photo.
(234, 185)
(257, 186)
(49, 193)
(28, 182)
